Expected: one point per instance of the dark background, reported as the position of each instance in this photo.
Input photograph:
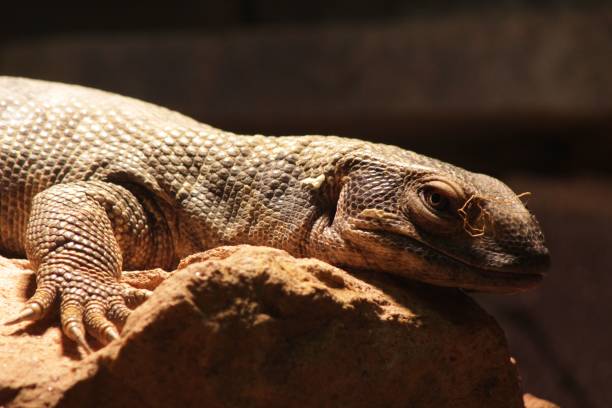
(518, 91)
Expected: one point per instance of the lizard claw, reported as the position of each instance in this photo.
(111, 334)
(30, 312)
(75, 332)
(37, 305)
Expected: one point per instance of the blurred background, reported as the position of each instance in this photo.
(519, 91)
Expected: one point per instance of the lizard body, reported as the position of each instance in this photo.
(93, 183)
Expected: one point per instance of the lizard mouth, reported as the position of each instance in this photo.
(517, 275)
(532, 265)
(524, 273)
(505, 278)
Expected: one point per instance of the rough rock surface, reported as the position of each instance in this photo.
(252, 326)
(532, 401)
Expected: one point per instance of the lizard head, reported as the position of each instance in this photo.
(404, 213)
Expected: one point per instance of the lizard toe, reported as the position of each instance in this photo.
(134, 297)
(119, 312)
(72, 320)
(96, 322)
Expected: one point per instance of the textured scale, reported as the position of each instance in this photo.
(93, 183)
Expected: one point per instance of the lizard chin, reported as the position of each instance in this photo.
(415, 259)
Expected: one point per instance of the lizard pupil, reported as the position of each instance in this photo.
(437, 201)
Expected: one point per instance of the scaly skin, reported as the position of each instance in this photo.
(93, 183)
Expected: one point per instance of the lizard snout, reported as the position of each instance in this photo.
(535, 261)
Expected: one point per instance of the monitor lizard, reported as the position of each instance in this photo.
(93, 183)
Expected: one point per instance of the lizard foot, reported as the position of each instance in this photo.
(86, 305)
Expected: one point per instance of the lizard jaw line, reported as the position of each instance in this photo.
(500, 278)
(408, 234)
(502, 271)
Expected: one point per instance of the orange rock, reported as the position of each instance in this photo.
(253, 326)
(532, 401)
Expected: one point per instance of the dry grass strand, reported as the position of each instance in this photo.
(478, 227)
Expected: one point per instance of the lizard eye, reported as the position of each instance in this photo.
(439, 196)
(433, 204)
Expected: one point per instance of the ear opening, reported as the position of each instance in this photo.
(335, 187)
(329, 197)
(333, 208)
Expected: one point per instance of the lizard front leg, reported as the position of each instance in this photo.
(77, 237)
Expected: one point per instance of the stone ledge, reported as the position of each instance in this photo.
(253, 326)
